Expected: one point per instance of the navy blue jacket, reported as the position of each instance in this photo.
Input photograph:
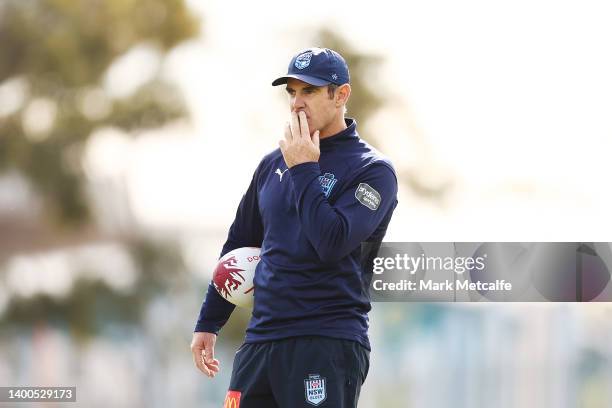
(310, 222)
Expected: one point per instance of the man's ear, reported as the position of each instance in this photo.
(342, 95)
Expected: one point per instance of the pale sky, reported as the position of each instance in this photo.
(511, 99)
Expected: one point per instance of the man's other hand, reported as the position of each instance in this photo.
(203, 350)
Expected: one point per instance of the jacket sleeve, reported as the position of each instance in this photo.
(336, 230)
(246, 230)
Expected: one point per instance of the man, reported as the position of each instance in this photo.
(309, 207)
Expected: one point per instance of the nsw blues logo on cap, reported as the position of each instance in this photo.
(318, 67)
(303, 60)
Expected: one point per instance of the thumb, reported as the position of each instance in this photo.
(315, 138)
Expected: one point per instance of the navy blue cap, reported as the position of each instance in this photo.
(318, 67)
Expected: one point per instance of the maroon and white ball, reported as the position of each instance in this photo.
(234, 273)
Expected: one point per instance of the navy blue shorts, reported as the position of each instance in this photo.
(298, 372)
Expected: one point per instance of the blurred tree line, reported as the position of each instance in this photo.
(56, 53)
(60, 50)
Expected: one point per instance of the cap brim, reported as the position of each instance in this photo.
(306, 78)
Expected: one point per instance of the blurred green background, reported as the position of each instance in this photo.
(130, 129)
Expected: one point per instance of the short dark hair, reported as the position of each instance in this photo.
(331, 90)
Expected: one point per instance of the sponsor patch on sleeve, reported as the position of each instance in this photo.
(367, 196)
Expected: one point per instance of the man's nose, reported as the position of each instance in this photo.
(297, 103)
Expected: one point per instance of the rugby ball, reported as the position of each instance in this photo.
(234, 273)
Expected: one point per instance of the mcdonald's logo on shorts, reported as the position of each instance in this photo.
(232, 399)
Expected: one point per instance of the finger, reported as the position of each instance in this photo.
(214, 363)
(212, 367)
(288, 136)
(209, 354)
(303, 124)
(283, 145)
(295, 125)
(315, 138)
(213, 371)
(199, 362)
(202, 364)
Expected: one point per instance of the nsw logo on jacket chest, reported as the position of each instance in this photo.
(328, 181)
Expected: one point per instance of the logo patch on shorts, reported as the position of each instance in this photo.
(328, 181)
(232, 399)
(367, 196)
(314, 387)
